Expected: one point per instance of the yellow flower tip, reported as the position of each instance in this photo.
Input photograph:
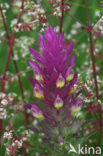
(38, 116)
(75, 110)
(60, 84)
(39, 78)
(69, 78)
(60, 81)
(39, 95)
(37, 112)
(58, 102)
(38, 92)
(58, 105)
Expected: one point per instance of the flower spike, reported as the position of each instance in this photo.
(54, 81)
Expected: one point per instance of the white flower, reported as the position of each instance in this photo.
(4, 102)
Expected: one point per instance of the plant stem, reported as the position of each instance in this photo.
(62, 16)
(92, 50)
(4, 23)
(14, 75)
(77, 20)
(10, 45)
(97, 20)
(94, 69)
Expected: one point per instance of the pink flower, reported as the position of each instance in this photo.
(54, 78)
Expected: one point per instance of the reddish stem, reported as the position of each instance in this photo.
(10, 44)
(94, 69)
(17, 74)
(4, 22)
(92, 50)
(77, 20)
(97, 20)
(19, 80)
(62, 16)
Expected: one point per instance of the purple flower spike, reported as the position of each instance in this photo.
(54, 80)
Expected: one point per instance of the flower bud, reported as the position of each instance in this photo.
(60, 81)
(38, 76)
(58, 102)
(37, 112)
(38, 92)
(69, 74)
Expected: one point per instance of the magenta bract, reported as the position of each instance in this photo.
(53, 67)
